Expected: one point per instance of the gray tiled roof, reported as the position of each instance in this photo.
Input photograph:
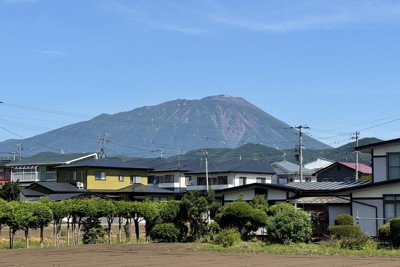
(58, 187)
(234, 166)
(147, 189)
(106, 163)
(324, 186)
(48, 158)
(321, 200)
(289, 167)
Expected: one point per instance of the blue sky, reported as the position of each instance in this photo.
(333, 65)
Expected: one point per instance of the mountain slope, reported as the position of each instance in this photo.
(175, 127)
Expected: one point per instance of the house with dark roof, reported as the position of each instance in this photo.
(370, 203)
(41, 167)
(320, 200)
(53, 191)
(342, 172)
(169, 174)
(227, 174)
(288, 172)
(103, 174)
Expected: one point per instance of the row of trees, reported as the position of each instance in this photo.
(183, 220)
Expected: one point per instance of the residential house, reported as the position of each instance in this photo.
(318, 199)
(53, 191)
(227, 174)
(169, 174)
(342, 172)
(5, 172)
(102, 174)
(41, 167)
(318, 164)
(288, 172)
(376, 203)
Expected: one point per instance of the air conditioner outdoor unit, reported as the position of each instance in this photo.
(79, 185)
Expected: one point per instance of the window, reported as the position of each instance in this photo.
(120, 178)
(261, 180)
(151, 179)
(100, 175)
(169, 178)
(222, 179)
(201, 180)
(391, 205)
(136, 179)
(308, 180)
(242, 180)
(393, 160)
(74, 176)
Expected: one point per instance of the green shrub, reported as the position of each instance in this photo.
(344, 219)
(227, 237)
(164, 232)
(395, 231)
(344, 231)
(284, 207)
(384, 233)
(289, 226)
(357, 242)
(93, 231)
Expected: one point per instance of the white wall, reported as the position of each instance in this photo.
(383, 150)
(377, 192)
(379, 171)
(249, 195)
(369, 216)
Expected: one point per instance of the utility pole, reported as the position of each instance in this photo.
(356, 136)
(100, 152)
(161, 153)
(20, 148)
(300, 128)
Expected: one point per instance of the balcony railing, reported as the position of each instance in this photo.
(25, 177)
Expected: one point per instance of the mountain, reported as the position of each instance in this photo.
(261, 152)
(173, 127)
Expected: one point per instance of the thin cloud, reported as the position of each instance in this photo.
(52, 53)
(310, 15)
(155, 17)
(16, 1)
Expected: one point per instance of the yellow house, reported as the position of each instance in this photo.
(102, 174)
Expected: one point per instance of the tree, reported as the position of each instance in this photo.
(260, 202)
(3, 213)
(241, 216)
(196, 209)
(60, 211)
(123, 211)
(108, 209)
(288, 225)
(10, 191)
(41, 217)
(17, 218)
(148, 210)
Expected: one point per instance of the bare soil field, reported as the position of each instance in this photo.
(173, 254)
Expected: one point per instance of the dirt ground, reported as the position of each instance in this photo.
(175, 254)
